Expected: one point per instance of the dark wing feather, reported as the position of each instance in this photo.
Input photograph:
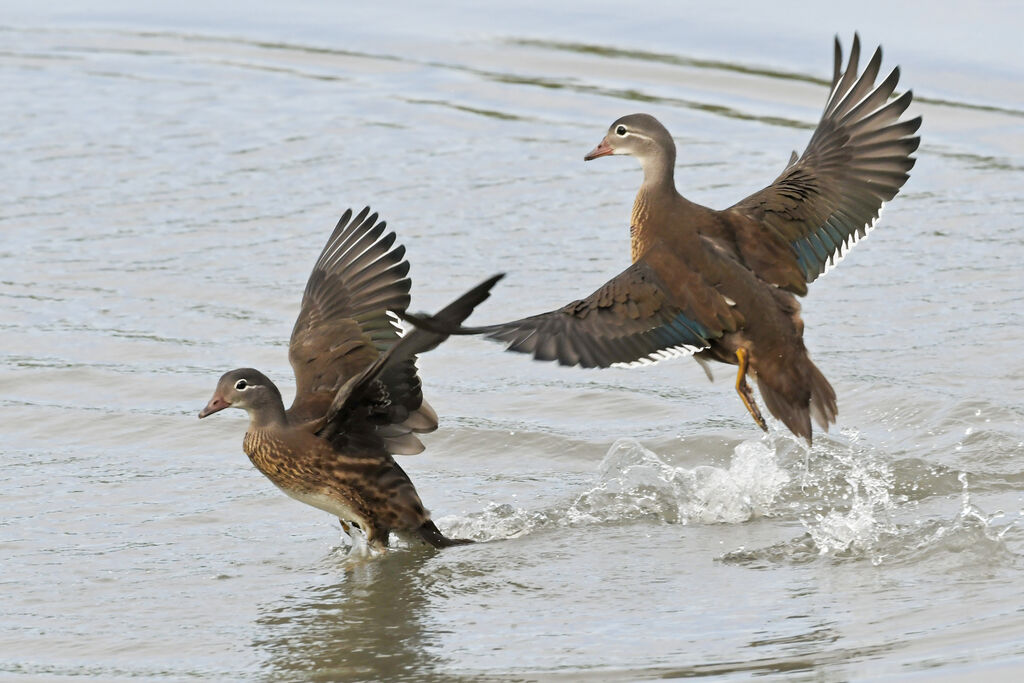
(365, 405)
(344, 325)
(858, 159)
(629, 320)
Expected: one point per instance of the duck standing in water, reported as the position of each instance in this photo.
(358, 397)
(722, 284)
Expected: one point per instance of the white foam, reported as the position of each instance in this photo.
(634, 482)
(637, 482)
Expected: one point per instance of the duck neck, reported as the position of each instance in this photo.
(658, 187)
(268, 413)
(267, 418)
(659, 171)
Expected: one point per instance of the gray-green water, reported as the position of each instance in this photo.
(168, 178)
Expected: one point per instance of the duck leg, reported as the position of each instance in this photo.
(744, 390)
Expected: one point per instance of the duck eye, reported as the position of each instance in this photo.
(621, 131)
(241, 385)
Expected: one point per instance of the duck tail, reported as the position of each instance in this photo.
(823, 398)
(429, 532)
(795, 397)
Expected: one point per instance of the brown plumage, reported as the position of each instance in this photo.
(721, 284)
(358, 397)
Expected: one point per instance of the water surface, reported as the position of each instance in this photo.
(169, 177)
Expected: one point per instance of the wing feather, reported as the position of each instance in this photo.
(631, 319)
(858, 158)
(366, 402)
(347, 320)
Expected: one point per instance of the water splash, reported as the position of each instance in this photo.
(353, 546)
(857, 510)
(867, 530)
(844, 493)
(636, 483)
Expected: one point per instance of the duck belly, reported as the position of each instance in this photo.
(332, 504)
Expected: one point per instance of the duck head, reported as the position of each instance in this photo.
(642, 136)
(249, 390)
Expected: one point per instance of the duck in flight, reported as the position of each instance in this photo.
(722, 284)
(358, 396)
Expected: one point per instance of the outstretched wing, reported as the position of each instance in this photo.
(344, 325)
(631, 319)
(858, 159)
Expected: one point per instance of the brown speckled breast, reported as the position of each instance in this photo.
(369, 488)
(288, 470)
(637, 222)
